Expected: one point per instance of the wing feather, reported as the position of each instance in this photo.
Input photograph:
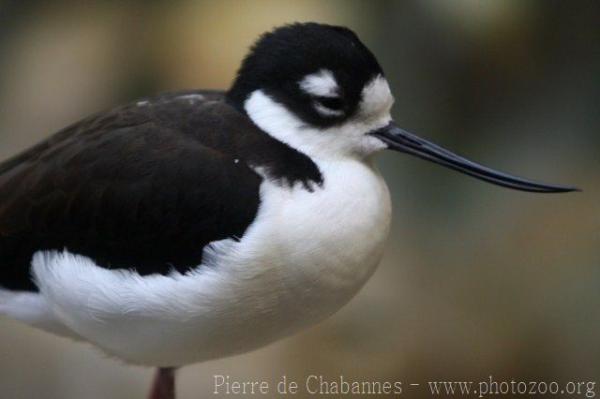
(143, 186)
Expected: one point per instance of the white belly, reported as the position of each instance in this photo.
(303, 258)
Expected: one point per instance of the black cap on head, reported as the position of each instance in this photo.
(282, 57)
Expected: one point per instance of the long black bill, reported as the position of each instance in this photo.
(400, 140)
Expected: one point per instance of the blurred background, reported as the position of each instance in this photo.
(477, 280)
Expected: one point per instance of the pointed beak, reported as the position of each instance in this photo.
(403, 141)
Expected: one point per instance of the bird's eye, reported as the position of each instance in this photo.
(329, 107)
(333, 103)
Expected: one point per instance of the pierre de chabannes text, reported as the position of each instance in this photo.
(320, 385)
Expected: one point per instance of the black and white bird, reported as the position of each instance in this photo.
(196, 225)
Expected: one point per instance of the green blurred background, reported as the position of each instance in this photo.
(477, 280)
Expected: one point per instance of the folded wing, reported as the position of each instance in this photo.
(144, 186)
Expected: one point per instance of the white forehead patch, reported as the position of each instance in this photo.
(321, 84)
(377, 97)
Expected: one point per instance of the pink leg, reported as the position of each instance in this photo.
(163, 386)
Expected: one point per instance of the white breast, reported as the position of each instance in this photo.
(303, 258)
(321, 245)
(329, 239)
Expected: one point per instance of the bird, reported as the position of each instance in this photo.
(195, 225)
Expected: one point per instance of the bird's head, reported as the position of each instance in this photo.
(320, 90)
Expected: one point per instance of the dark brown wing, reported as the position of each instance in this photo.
(143, 186)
